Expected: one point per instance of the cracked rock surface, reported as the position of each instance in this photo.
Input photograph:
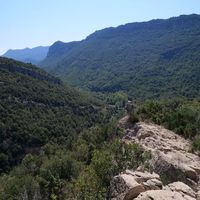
(171, 157)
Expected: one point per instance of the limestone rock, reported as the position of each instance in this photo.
(171, 157)
(162, 195)
(170, 152)
(138, 185)
(129, 184)
(198, 195)
(153, 184)
(181, 188)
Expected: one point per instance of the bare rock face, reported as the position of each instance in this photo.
(171, 155)
(129, 184)
(181, 188)
(171, 159)
(162, 195)
(198, 195)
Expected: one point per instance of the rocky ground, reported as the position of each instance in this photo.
(174, 171)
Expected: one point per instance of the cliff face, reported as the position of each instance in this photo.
(173, 171)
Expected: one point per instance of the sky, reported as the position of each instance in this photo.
(31, 23)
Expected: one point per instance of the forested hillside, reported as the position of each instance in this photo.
(154, 59)
(36, 108)
(56, 142)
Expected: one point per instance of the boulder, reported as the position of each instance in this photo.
(171, 159)
(171, 155)
(181, 188)
(162, 195)
(153, 184)
(130, 184)
(124, 186)
(198, 195)
(138, 185)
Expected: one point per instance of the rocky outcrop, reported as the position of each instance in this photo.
(138, 185)
(163, 195)
(176, 190)
(129, 184)
(181, 188)
(171, 161)
(171, 157)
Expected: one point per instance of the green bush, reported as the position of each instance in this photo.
(196, 143)
(181, 116)
(134, 117)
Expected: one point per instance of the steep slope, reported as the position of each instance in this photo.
(57, 53)
(36, 108)
(159, 58)
(171, 154)
(34, 55)
(178, 170)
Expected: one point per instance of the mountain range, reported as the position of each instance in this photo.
(28, 55)
(154, 59)
(100, 140)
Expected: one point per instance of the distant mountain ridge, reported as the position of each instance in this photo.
(28, 55)
(155, 59)
(57, 53)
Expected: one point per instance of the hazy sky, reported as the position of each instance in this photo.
(30, 23)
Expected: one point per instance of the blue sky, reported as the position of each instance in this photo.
(30, 23)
